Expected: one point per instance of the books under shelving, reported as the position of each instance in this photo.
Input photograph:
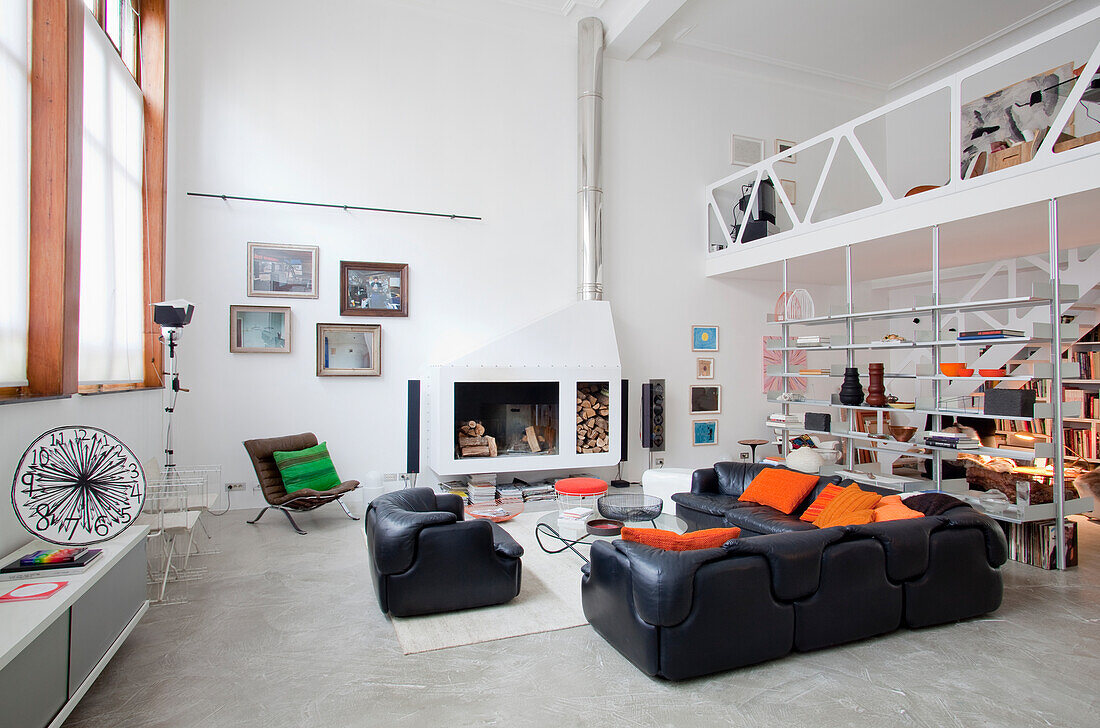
(1089, 410)
(1089, 362)
(1036, 543)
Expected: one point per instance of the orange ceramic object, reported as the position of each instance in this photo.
(991, 372)
(952, 368)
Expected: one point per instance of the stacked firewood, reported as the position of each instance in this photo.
(473, 442)
(593, 407)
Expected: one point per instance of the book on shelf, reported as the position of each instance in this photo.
(813, 372)
(812, 341)
(794, 418)
(17, 570)
(990, 332)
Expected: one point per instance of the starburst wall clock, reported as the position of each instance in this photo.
(77, 485)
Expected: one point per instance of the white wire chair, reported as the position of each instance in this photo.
(171, 521)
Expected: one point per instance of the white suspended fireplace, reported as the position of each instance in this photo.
(545, 397)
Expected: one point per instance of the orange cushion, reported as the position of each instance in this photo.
(848, 500)
(581, 486)
(823, 499)
(891, 508)
(781, 489)
(854, 518)
(709, 538)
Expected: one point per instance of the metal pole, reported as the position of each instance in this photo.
(784, 435)
(1058, 480)
(937, 420)
(850, 354)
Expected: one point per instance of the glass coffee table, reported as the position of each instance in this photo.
(558, 540)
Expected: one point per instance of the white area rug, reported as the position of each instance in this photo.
(549, 599)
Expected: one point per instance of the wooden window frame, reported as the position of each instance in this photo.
(57, 100)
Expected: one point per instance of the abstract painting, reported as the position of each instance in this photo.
(1011, 115)
(795, 360)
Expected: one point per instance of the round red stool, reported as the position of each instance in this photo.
(579, 492)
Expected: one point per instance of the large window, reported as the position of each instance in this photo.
(14, 191)
(111, 285)
(82, 194)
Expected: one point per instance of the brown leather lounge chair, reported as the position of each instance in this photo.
(271, 482)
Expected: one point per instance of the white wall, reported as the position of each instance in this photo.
(408, 105)
(133, 417)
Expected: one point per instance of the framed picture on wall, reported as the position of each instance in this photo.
(374, 289)
(706, 399)
(704, 367)
(704, 338)
(282, 271)
(349, 350)
(259, 329)
(782, 146)
(791, 189)
(745, 150)
(704, 432)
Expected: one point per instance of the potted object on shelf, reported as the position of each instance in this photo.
(851, 391)
(876, 392)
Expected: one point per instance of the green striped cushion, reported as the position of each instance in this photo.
(309, 468)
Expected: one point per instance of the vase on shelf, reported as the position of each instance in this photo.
(851, 391)
(876, 392)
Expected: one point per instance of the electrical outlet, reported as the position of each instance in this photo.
(234, 486)
(658, 463)
(389, 477)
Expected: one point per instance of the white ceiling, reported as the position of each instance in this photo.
(879, 43)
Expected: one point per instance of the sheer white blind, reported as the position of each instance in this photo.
(111, 292)
(14, 191)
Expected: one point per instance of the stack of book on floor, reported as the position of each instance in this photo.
(954, 440)
(1036, 543)
(482, 488)
(792, 419)
(53, 563)
(979, 334)
(540, 491)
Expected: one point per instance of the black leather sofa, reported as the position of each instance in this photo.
(425, 558)
(679, 615)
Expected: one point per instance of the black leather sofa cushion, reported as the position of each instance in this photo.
(503, 543)
(854, 600)
(794, 558)
(662, 580)
(959, 583)
(715, 504)
(765, 519)
(397, 521)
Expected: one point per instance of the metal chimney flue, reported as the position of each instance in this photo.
(589, 189)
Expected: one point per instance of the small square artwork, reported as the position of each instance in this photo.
(790, 189)
(259, 329)
(704, 432)
(746, 151)
(704, 367)
(282, 271)
(706, 399)
(782, 146)
(349, 350)
(704, 338)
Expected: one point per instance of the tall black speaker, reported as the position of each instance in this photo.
(653, 415)
(625, 423)
(412, 451)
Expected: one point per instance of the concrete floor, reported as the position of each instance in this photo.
(285, 631)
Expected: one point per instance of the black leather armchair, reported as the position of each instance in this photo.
(424, 558)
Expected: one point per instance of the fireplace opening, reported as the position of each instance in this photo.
(593, 425)
(498, 419)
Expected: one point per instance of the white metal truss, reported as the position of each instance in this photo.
(931, 207)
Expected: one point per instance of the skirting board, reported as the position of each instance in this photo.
(77, 696)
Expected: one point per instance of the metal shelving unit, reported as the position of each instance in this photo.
(1053, 296)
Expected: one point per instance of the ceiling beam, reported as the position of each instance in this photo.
(635, 23)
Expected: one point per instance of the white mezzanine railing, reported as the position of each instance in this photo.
(808, 227)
